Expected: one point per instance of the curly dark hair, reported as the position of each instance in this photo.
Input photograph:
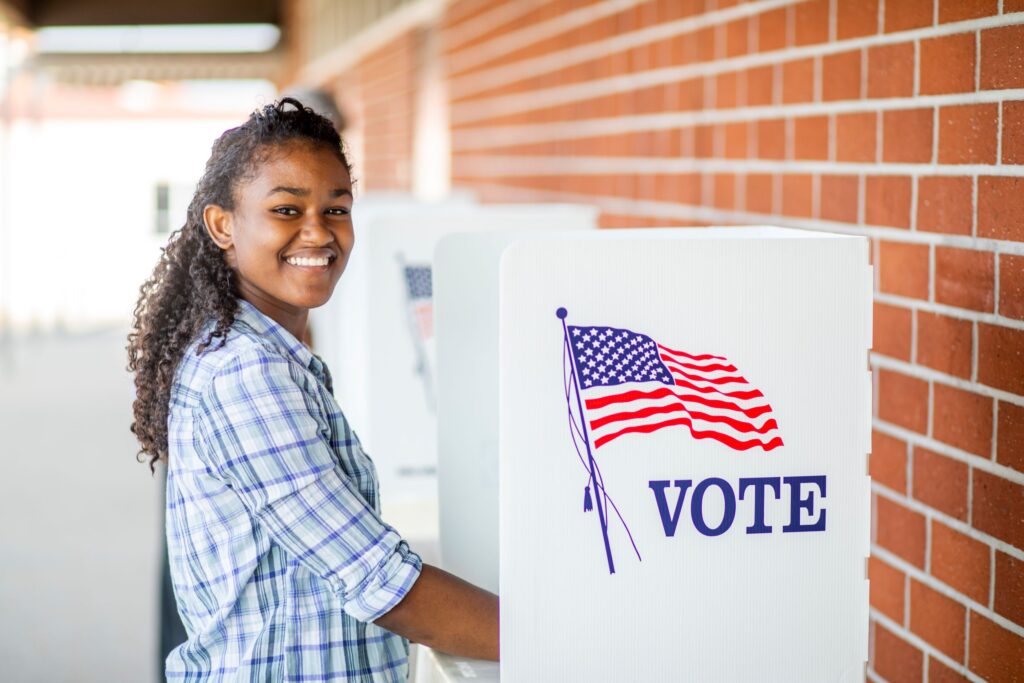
(192, 283)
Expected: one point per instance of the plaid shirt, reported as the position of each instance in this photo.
(278, 555)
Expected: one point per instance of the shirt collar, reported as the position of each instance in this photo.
(281, 338)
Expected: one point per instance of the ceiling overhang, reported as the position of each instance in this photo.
(42, 13)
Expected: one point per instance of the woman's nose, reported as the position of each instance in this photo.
(315, 230)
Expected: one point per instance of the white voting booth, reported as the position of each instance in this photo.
(681, 420)
(377, 336)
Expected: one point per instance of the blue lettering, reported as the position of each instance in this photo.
(797, 503)
(697, 507)
(759, 484)
(669, 521)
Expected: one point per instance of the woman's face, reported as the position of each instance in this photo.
(290, 234)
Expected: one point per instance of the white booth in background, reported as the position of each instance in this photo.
(682, 420)
(377, 336)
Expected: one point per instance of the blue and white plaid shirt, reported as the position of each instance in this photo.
(278, 555)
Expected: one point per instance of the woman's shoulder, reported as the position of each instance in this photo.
(207, 356)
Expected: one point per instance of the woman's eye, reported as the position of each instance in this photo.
(339, 211)
(282, 209)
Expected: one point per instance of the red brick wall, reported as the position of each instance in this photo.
(899, 120)
(376, 96)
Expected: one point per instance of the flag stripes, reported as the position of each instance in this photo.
(633, 385)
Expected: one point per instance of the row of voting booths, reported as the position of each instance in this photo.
(651, 443)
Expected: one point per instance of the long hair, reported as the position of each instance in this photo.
(192, 283)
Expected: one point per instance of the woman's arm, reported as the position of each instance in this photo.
(448, 614)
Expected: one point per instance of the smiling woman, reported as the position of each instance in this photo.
(290, 235)
(281, 564)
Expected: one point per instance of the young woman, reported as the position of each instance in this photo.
(282, 567)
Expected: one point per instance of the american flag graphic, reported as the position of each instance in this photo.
(420, 294)
(630, 384)
(619, 382)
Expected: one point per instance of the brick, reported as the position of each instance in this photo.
(1013, 132)
(798, 81)
(967, 134)
(887, 201)
(1002, 58)
(947, 64)
(903, 400)
(856, 136)
(1001, 357)
(690, 94)
(907, 135)
(771, 30)
(856, 18)
(888, 461)
(940, 482)
(1011, 286)
(940, 673)
(895, 659)
(760, 86)
(704, 141)
(901, 530)
(903, 269)
(736, 140)
(736, 33)
(886, 588)
(1009, 589)
(1013, 6)
(962, 419)
(811, 22)
(998, 507)
(725, 191)
(945, 204)
(960, 10)
(727, 90)
(839, 198)
(760, 193)
(771, 139)
(796, 195)
(965, 278)
(891, 330)
(904, 15)
(1000, 210)
(997, 654)
(938, 619)
(1010, 436)
(960, 562)
(840, 76)
(944, 343)
(891, 70)
(810, 137)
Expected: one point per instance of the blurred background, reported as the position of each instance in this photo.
(899, 120)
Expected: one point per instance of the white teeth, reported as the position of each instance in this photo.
(300, 261)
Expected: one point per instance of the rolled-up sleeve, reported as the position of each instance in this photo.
(268, 439)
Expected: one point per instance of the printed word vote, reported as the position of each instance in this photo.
(806, 509)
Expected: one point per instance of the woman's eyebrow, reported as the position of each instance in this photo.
(303, 192)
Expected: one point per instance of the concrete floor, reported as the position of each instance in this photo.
(79, 517)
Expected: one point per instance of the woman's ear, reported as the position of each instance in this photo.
(218, 225)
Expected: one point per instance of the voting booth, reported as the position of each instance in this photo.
(656, 441)
(377, 335)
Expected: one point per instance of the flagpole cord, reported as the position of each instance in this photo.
(562, 313)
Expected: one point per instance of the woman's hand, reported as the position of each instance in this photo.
(447, 614)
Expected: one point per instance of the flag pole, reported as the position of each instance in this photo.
(599, 495)
(422, 365)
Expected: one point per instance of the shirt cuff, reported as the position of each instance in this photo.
(385, 588)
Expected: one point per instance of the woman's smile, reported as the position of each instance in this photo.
(312, 261)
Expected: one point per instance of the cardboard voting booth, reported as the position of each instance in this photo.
(683, 421)
(377, 332)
